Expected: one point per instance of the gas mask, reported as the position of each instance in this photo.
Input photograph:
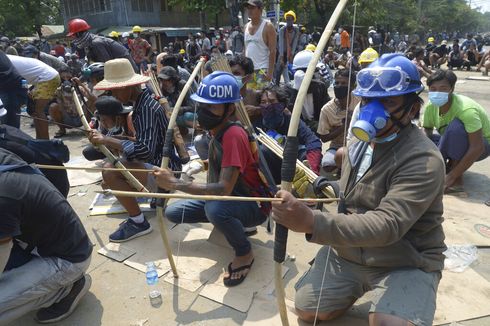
(372, 118)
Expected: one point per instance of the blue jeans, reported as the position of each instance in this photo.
(13, 100)
(230, 217)
(454, 143)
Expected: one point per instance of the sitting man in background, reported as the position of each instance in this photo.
(63, 111)
(44, 248)
(334, 118)
(463, 127)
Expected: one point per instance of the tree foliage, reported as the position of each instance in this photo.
(25, 17)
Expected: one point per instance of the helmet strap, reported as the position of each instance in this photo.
(398, 122)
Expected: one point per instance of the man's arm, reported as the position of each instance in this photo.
(228, 179)
(271, 42)
(334, 133)
(476, 148)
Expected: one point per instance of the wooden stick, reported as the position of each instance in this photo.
(51, 121)
(207, 197)
(59, 167)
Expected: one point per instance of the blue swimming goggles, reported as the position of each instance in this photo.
(389, 79)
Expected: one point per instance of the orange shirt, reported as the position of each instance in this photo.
(344, 39)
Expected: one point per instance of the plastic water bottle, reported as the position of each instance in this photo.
(24, 84)
(152, 280)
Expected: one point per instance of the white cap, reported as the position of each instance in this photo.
(2, 109)
(125, 34)
(229, 52)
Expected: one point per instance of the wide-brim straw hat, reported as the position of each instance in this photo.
(119, 73)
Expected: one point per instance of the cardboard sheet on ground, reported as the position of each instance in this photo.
(194, 256)
(109, 205)
(464, 222)
(263, 312)
(462, 296)
(116, 251)
(259, 278)
(80, 177)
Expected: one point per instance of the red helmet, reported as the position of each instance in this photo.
(77, 25)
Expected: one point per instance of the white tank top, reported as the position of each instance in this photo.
(255, 47)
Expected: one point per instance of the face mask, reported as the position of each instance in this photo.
(83, 41)
(208, 120)
(115, 130)
(272, 115)
(239, 80)
(438, 98)
(136, 35)
(372, 118)
(341, 92)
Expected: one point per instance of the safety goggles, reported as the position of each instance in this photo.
(388, 79)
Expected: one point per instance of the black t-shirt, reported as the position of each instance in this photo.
(441, 50)
(35, 212)
(9, 77)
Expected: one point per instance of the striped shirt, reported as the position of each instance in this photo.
(150, 124)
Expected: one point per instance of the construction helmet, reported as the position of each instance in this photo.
(430, 40)
(113, 34)
(218, 87)
(77, 25)
(137, 29)
(391, 75)
(310, 47)
(181, 51)
(302, 59)
(290, 13)
(369, 55)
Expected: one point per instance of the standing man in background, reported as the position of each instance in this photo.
(260, 44)
(288, 42)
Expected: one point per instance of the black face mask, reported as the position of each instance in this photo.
(208, 120)
(341, 92)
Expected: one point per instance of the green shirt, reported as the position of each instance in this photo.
(472, 115)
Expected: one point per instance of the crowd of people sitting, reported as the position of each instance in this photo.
(361, 103)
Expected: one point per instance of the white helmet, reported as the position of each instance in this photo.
(302, 59)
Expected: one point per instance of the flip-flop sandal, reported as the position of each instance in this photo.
(457, 191)
(229, 282)
(487, 202)
(59, 134)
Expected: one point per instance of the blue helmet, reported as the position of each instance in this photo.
(217, 88)
(390, 75)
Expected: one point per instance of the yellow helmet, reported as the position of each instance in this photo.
(310, 47)
(430, 40)
(137, 29)
(290, 13)
(369, 55)
(113, 34)
(182, 51)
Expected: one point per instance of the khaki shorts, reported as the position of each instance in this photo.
(408, 293)
(46, 90)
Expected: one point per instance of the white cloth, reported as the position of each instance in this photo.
(32, 70)
(255, 47)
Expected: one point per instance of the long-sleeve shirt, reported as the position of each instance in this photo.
(150, 123)
(393, 214)
(103, 49)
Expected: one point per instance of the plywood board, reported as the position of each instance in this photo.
(80, 177)
(462, 296)
(462, 219)
(240, 297)
(116, 251)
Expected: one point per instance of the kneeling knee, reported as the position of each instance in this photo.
(310, 316)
